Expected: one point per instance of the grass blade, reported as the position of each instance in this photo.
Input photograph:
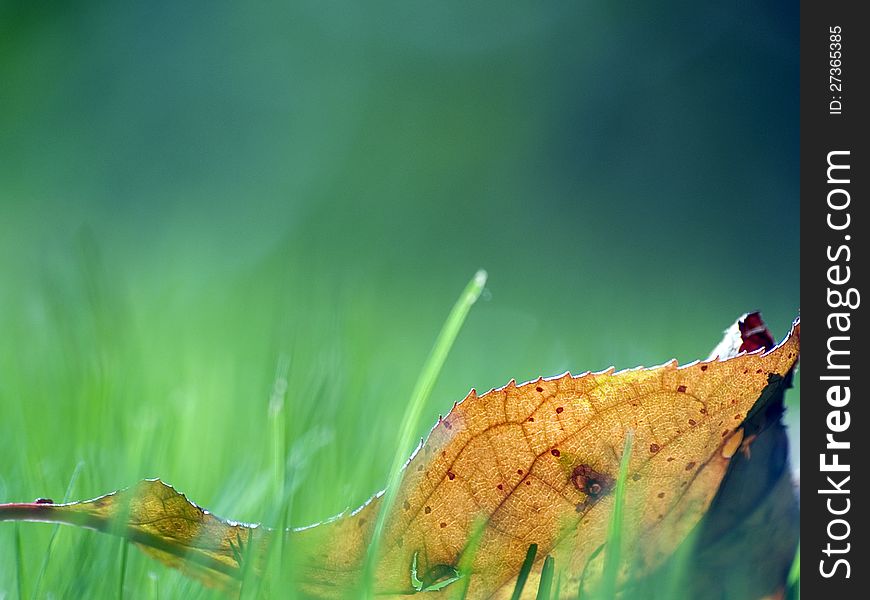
(67, 495)
(422, 390)
(19, 562)
(557, 589)
(794, 577)
(585, 572)
(466, 560)
(524, 571)
(615, 532)
(546, 586)
(125, 546)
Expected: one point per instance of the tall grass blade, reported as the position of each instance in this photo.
(468, 554)
(66, 497)
(615, 532)
(422, 390)
(125, 546)
(279, 513)
(585, 572)
(19, 562)
(557, 588)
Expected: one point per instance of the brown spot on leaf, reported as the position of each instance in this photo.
(427, 510)
(555, 452)
(670, 459)
(451, 475)
(703, 367)
(661, 494)
(654, 448)
(519, 471)
(500, 486)
(635, 477)
(443, 524)
(531, 419)
(591, 482)
(539, 389)
(690, 465)
(681, 389)
(692, 422)
(559, 410)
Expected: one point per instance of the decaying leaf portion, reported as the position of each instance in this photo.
(745, 545)
(524, 464)
(164, 523)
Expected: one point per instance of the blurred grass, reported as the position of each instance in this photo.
(194, 197)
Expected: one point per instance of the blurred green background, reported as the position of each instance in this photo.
(200, 200)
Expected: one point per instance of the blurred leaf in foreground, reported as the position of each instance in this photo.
(164, 523)
(534, 464)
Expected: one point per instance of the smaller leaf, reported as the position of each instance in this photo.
(164, 523)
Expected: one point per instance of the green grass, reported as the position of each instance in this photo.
(545, 587)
